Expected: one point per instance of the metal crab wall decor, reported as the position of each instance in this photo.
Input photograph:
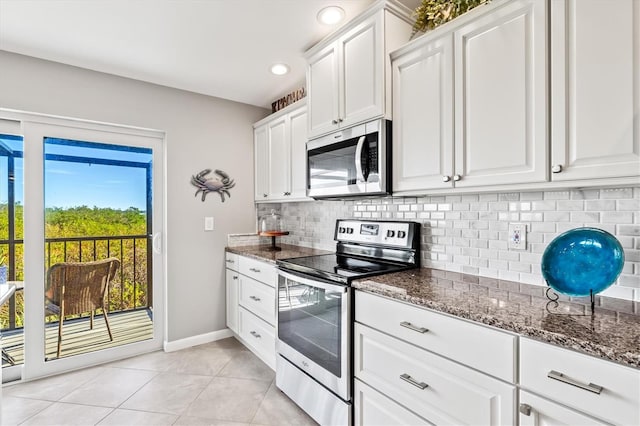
(221, 185)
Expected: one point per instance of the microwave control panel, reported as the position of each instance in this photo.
(396, 234)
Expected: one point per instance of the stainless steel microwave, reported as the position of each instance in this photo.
(352, 162)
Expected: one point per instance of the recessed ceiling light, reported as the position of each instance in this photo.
(279, 69)
(331, 15)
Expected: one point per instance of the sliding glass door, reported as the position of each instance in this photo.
(93, 263)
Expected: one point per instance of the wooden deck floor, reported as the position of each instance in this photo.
(78, 338)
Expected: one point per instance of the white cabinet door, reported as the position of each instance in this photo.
(298, 132)
(595, 47)
(536, 411)
(232, 299)
(261, 153)
(279, 159)
(423, 117)
(322, 83)
(501, 96)
(372, 408)
(361, 68)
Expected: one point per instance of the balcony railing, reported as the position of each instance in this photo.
(131, 289)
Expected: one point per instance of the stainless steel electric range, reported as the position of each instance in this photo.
(315, 312)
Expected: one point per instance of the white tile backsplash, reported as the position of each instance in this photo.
(468, 233)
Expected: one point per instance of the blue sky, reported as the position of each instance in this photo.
(70, 184)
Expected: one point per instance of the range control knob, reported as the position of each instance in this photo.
(391, 233)
(342, 230)
(402, 234)
(349, 230)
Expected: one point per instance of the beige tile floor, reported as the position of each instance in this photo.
(220, 383)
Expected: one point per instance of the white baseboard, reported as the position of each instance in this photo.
(200, 339)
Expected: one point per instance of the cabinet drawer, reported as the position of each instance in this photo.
(373, 408)
(258, 298)
(487, 350)
(231, 261)
(259, 335)
(439, 390)
(258, 270)
(577, 376)
(537, 411)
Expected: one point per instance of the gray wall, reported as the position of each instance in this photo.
(202, 132)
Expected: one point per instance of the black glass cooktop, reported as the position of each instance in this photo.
(338, 268)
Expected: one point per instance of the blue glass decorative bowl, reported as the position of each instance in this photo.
(581, 261)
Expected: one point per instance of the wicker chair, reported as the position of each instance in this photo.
(75, 288)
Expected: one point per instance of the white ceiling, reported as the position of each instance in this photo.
(221, 48)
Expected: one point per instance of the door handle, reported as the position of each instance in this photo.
(156, 243)
(257, 299)
(555, 375)
(359, 147)
(407, 378)
(407, 324)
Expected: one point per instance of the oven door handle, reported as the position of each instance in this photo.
(312, 282)
(359, 146)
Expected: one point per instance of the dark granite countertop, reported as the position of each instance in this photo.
(261, 252)
(612, 333)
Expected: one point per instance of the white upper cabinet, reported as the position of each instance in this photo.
(261, 161)
(280, 155)
(348, 74)
(595, 103)
(470, 101)
(298, 137)
(501, 96)
(423, 116)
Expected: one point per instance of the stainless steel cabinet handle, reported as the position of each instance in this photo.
(235, 277)
(254, 270)
(410, 326)
(334, 121)
(557, 168)
(446, 178)
(340, 120)
(255, 334)
(264, 195)
(257, 299)
(525, 409)
(568, 380)
(407, 378)
(230, 261)
(457, 177)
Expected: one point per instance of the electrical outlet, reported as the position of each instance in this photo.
(517, 236)
(208, 223)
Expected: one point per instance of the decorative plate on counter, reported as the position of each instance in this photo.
(582, 260)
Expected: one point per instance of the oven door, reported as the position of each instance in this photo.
(314, 329)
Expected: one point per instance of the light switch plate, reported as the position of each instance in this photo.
(208, 223)
(518, 236)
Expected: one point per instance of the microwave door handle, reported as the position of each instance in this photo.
(359, 147)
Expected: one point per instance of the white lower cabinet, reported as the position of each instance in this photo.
(598, 388)
(251, 304)
(439, 390)
(537, 411)
(258, 335)
(373, 408)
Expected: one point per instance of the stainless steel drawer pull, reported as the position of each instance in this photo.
(254, 270)
(256, 298)
(229, 261)
(525, 409)
(407, 378)
(410, 326)
(255, 334)
(568, 380)
(235, 277)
